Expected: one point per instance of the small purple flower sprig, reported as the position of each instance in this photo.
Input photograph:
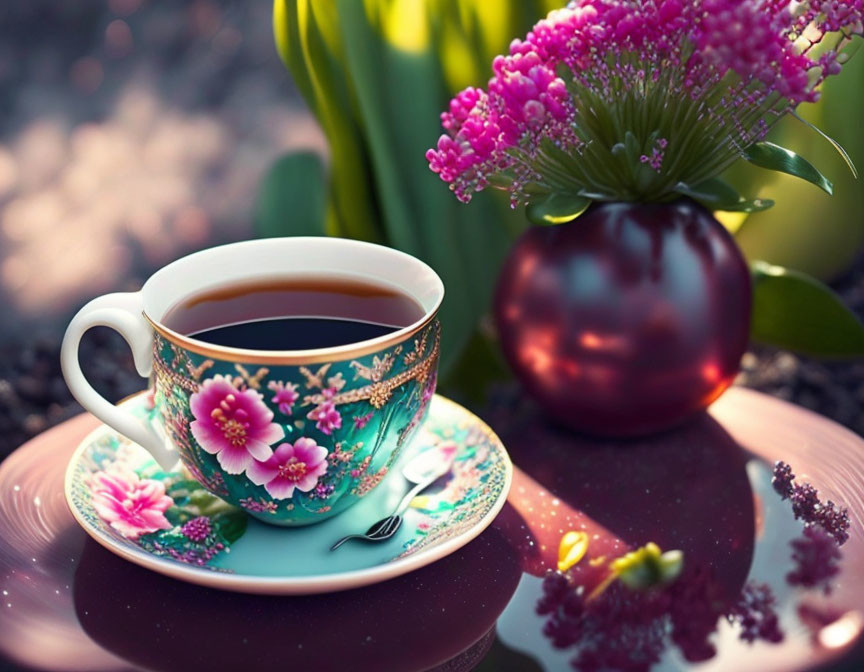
(816, 557)
(807, 506)
(755, 613)
(196, 542)
(826, 527)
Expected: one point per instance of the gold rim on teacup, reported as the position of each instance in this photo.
(311, 356)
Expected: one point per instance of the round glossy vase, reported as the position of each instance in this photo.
(627, 320)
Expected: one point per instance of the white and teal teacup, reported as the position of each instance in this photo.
(293, 437)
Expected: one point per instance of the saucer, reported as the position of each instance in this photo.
(201, 539)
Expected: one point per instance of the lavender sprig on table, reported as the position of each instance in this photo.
(816, 558)
(826, 527)
(755, 613)
(807, 506)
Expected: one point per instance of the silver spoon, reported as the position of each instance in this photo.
(422, 471)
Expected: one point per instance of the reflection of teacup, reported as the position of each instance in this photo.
(454, 601)
(292, 436)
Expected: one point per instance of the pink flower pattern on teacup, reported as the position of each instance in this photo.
(131, 505)
(297, 466)
(235, 425)
(360, 421)
(284, 395)
(327, 418)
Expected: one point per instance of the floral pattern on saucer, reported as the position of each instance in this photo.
(476, 476)
(118, 489)
(153, 517)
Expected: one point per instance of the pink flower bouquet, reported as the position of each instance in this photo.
(642, 100)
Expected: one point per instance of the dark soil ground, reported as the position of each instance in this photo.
(834, 389)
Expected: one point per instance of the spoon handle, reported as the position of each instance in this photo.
(406, 500)
(347, 538)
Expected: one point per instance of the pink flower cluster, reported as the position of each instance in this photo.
(292, 466)
(326, 416)
(525, 99)
(131, 505)
(740, 56)
(236, 426)
(285, 395)
(233, 424)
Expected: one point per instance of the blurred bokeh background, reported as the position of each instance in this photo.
(131, 132)
(135, 131)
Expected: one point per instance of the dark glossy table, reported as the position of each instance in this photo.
(68, 604)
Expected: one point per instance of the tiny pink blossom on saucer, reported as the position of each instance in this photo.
(284, 395)
(235, 425)
(131, 505)
(292, 466)
(326, 417)
(448, 449)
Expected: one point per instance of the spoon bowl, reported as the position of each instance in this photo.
(422, 471)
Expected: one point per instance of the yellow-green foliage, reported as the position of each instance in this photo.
(377, 74)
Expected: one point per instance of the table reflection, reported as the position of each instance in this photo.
(687, 490)
(415, 622)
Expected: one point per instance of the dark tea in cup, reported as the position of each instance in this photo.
(293, 313)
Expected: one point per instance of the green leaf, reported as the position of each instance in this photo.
(399, 91)
(308, 40)
(836, 145)
(619, 149)
(648, 567)
(755, 205)
(480, 365)
(183, 487)
(773, 157)
(203, 499)
(715, 194)
(292, 198)
(556, 208)
(177, 516)
(231, 525)
(288, 45)
(713, 191)
(500, 180)
(795, 311)
(535, 188)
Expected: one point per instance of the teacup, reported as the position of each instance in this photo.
(224, 411)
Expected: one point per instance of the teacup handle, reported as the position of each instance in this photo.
(123, 312)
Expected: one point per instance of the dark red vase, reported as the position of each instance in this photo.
(627, 320)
